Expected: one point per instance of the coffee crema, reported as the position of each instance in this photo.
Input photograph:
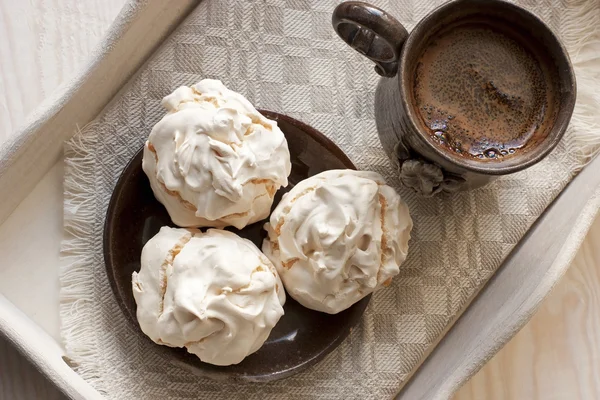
(481, 94)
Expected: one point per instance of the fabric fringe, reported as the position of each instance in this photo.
(580, 33)
(77, 257)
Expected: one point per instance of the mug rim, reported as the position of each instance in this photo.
(566, 98)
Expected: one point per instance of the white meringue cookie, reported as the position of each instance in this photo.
(214, 293)
(336, 237)
(214, 160)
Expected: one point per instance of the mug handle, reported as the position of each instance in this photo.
(372, 32)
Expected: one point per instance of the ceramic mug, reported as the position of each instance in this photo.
(424, 164)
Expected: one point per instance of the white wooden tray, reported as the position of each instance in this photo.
(31, 217)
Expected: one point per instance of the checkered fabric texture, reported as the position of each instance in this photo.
(283, 55)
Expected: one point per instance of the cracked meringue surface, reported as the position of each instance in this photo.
(213, 159)
(213, 293)
(336, 237)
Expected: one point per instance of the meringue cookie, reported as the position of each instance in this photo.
(336, 237)
(214, 160)
(213, 293)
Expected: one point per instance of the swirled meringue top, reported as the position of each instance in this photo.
(214, 160)
(336, 237)
(214, 293)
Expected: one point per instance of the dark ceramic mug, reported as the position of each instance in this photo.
(424, 164)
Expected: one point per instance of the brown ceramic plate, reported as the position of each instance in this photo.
(302, 336)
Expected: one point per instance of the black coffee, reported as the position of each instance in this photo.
(480, 93)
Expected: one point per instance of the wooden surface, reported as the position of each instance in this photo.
(556, 356)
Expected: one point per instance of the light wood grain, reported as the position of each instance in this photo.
(44, 42)
(556, 356)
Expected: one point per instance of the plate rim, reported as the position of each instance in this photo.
(165, 350)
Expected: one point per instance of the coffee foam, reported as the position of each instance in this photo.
(480, 93)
